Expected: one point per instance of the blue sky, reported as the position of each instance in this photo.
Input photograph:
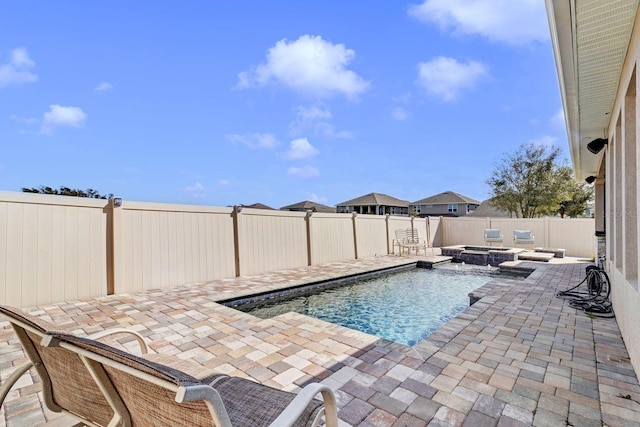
(237, 102)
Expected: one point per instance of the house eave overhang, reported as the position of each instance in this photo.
(590, 41)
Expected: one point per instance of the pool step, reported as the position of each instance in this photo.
(518, 268)
(429, 262)
(536, 256)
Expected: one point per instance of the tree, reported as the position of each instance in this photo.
(531, 183)
(66, 191)
(576, 198)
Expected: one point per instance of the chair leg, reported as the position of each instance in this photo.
(12, 379)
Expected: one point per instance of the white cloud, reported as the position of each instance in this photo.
(400, 114)
(304, 171)
(103, 86)
(301, 148)
(545, 141)
(310, 66)
(557, 120)
(446, 77)
(224, 182)
(307, 117)
(26, 120)
(509, 21)
(329, 131)
(59, 116)
(255, 140)
(315, 119)
(18, 69)
(196, 190)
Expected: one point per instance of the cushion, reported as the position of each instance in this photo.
(522, 235)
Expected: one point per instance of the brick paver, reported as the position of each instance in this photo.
(519, 356)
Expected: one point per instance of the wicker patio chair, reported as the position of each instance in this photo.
(156, 394)
(67, 385)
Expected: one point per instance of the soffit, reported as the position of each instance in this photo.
(590, 40)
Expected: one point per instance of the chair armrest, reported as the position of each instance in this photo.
(212, 398)
(143, 345)
(302, 399)
(12, 379)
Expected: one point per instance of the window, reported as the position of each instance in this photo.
(416, 208)
(453, 208)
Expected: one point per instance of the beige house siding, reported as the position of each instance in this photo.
(621, 158)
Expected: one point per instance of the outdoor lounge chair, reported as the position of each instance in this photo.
(523, 238)
(148, 393)
(409, 239)
(492, 235)
(67, 385)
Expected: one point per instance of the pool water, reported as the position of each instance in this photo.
(403, 307)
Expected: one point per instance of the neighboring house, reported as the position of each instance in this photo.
(489, 211)
(308, 206)
(258, 206)
(444, 204)
(375, 204)
(597, 52)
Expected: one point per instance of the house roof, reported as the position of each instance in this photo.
(308, 205)
(375, 199)
(446, 198)
(590, 41)
(487, 210)
(258, 206)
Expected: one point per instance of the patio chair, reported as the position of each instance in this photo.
(148, 393)
(409, 239)
(492, 235)
(523, 238)
(67, 385)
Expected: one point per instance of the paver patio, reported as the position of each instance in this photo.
(519, 356)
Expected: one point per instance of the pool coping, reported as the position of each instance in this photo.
(306, 288)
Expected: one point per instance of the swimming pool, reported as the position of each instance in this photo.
(402, 307)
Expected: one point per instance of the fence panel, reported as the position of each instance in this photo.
(396, 223)
(331, 238)
(371, 235)
(271, 240)
(576, 235)
(57, 248)
(435, 232)
(53, 248)
(463, 231)
(166, 245)
(537, 225)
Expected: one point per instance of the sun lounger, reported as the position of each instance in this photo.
(67, 385)
(148, 393)
(100, 385)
